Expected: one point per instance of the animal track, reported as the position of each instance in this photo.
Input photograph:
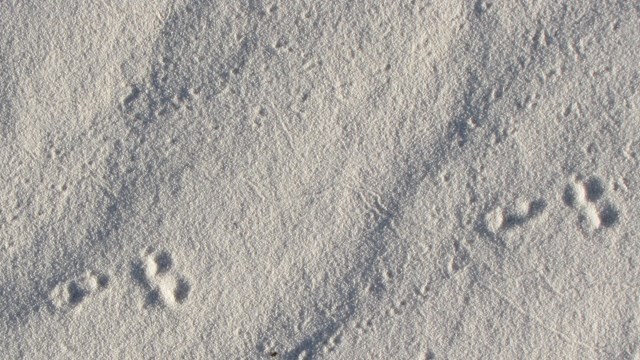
(460, 259)
(500, 219)
(586, 195)
(268, 348)
(154, 272)
(72, 293)
(398, 308)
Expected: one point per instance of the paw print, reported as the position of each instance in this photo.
(155, 274)
(500, 219)
(588, 197)
(71, 293)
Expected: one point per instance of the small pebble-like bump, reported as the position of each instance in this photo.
(494, 220)
(591, 216)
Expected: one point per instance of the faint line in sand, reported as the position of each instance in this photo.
(538, 321)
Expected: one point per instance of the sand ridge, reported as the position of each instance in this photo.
(319, 180)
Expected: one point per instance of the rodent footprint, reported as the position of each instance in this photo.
(155, 273)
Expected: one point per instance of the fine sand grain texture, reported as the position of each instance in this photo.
(415, 179)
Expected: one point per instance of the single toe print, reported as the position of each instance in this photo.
(163, 262)
(152, 298)
(155, 274)
(74, 293)
(102, 281)
(181, 291)
(594, 189)
(536, 208)
(609, 216)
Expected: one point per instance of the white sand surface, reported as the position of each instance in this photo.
(411, 179)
